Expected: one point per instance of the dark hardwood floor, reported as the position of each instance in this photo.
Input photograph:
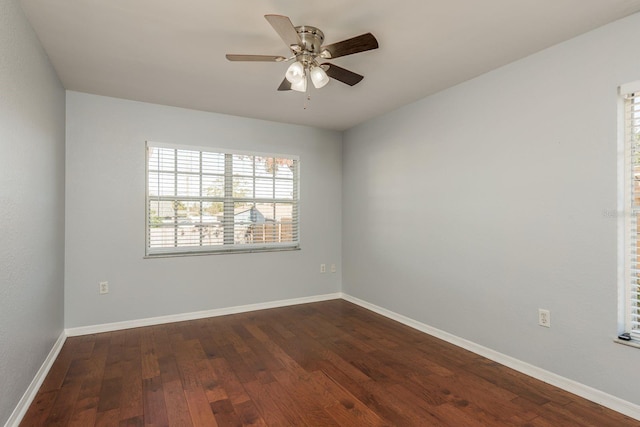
(323, 364)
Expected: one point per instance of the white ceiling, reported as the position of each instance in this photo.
(172, 52)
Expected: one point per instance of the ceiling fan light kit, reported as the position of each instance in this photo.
(319, 77)
(295, 72)
(305, 43)
(300, 85)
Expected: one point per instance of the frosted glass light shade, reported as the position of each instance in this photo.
(300, 86)
(295, 73)
(319, 77)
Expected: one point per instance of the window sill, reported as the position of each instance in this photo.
(632, 343)
(204, 253)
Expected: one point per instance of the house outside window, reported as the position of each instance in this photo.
(217, 201)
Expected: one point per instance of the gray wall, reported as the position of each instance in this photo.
(105, 214)
(472, 208)
(32, 110)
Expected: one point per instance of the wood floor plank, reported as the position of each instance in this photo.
(578, 417)
(364, 390)
(210, 382)
(267, 403)
(131, 399)
(297, 390)
(238, 354)
(347, 409)
(539, 422)
(65, 402)
(229, 381)
(39, 409)
(108, 418)
(149, 359)
(56, 375)
(249, 414)
(86, 407)
(225, 414)
(330, 363)
(84, 414)
(404, 402)
(199, 407)
(109, 398)
(455, 416)
(595, 412)
(267, 362)
(178, 413)
(155, 410)
(487, 399)
(188, 355)
(132, 422)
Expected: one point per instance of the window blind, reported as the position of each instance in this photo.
(214, 201)
(632, 140)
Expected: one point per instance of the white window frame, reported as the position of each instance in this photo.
(228, 200)
(628, 266)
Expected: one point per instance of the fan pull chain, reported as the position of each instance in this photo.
(307, 99)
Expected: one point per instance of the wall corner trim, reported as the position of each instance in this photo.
(27, 398)
(612, 402)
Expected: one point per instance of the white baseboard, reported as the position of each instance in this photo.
(150, 321)
(600, 397)
(18, 413)
(589, 393)
(26, 400)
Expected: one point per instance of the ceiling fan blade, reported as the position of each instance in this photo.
(285, 29)
(342, 74)
(258, 58)
(285, 85)
(356, 44)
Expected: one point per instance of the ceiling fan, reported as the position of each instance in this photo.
(306, 46)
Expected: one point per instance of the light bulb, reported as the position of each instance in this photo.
(319, 77)
(300, 86)
(295, 73)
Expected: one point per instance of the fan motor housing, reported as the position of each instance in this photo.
(311, 37)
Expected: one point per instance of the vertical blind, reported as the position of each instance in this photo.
(213, 201)
(632, 137)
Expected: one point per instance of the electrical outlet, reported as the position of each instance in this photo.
(323, 268)
(103, 288)
(544, 318)
(333, 268)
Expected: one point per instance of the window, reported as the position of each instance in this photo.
(630, 300)
(202, 201)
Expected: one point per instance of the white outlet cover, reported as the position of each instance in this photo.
(103, 288)
(544, 318)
